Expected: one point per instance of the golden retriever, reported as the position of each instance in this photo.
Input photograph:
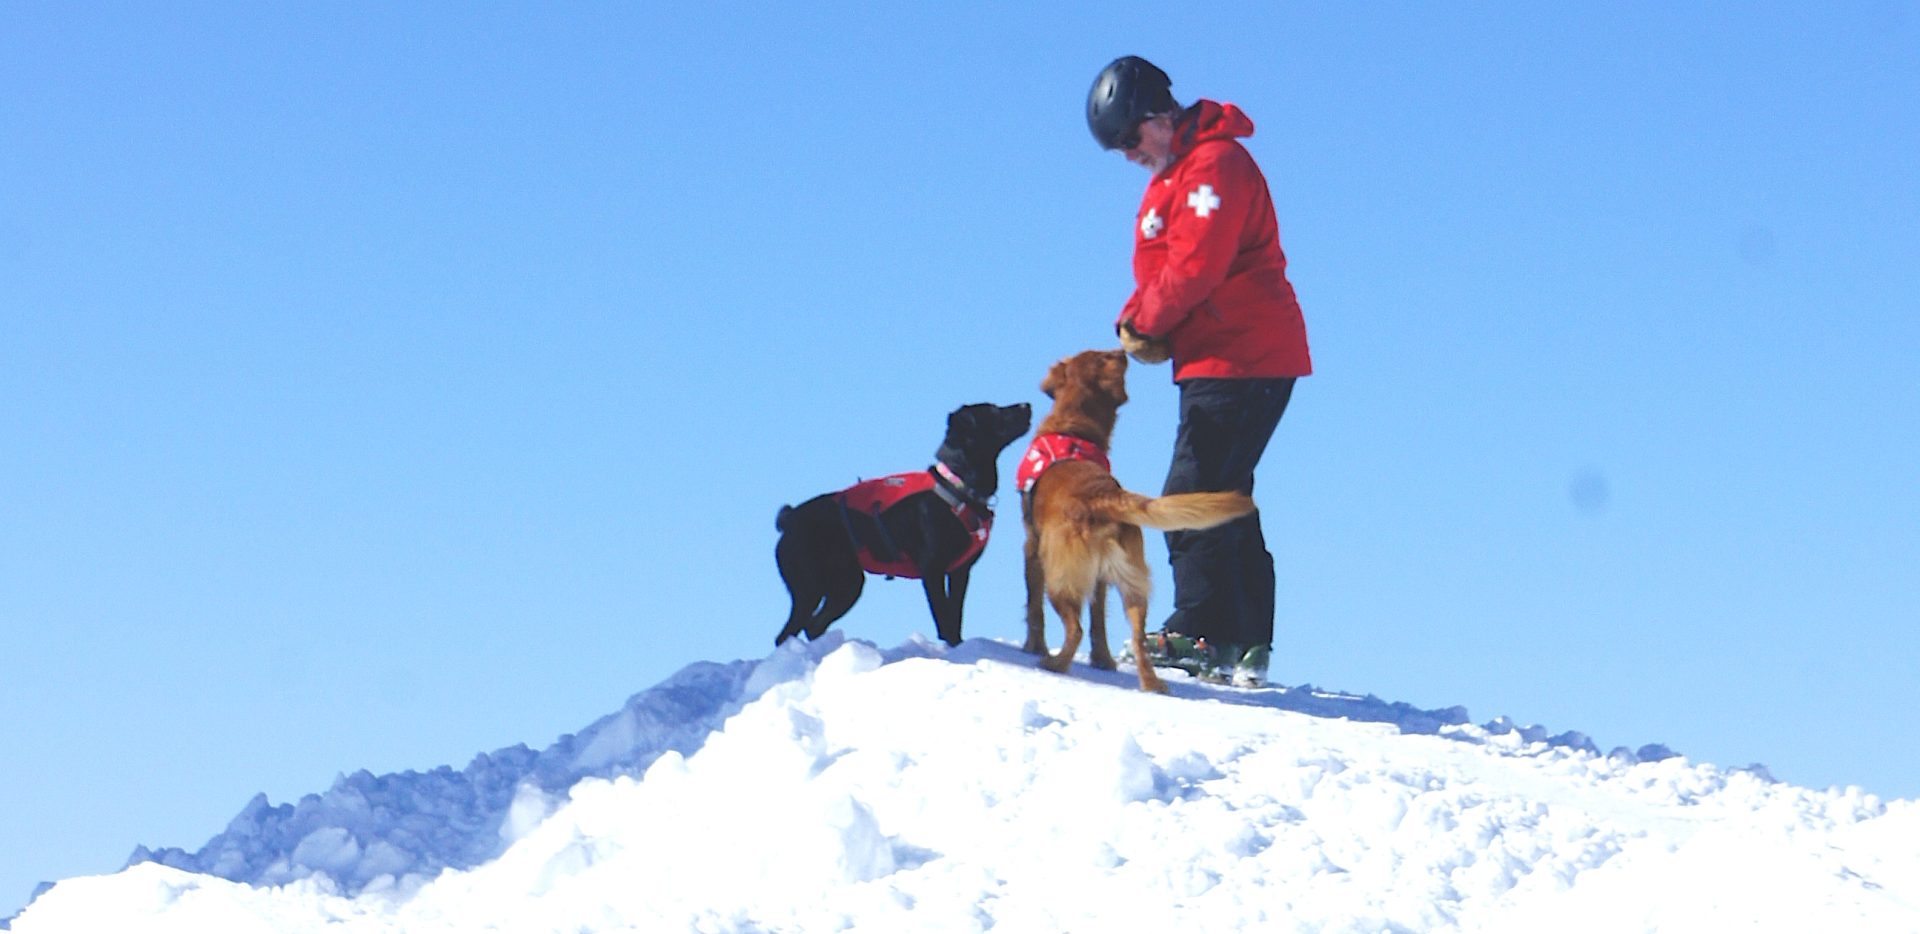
(1083, 529)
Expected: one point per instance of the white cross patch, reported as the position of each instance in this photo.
(1203, 200)
(1151, 224)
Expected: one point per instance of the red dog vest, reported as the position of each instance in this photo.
(1049, 449)
(876, 496)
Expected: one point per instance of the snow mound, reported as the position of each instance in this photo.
(395, 831)
(835, 786)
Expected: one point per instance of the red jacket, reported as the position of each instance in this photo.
(1048, 449)
(880, 494)
(1207, 267)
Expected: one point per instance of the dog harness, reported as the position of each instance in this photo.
(1049, 449)
(880, 494)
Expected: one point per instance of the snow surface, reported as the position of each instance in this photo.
(834, 786)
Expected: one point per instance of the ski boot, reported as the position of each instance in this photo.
(1243, 666)
(1250, 671)
(1173, 650)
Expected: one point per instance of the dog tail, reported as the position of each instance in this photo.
(780, 518)
(1176, 513)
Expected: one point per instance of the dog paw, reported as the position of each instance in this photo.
(1035, 648)
(1056, 664)
(1104, 662)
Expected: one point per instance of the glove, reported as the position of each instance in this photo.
(1148, 350)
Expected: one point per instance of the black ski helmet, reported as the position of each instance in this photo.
(1129, 90)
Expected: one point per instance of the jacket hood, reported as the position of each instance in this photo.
(1207, 120)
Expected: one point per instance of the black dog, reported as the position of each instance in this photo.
(930, 524)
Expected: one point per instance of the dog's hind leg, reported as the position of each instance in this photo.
(1070, 577)
(1130, 575)
(1036, 592)
(1099, 654)
(842, 590)
(837, 605)
(1068, 606)
(805, 581)
(1137, 617)
(798, 618)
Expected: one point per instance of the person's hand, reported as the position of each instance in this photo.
(1148, 350)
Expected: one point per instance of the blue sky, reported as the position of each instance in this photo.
(382, 386)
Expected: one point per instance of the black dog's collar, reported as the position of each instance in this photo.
(955, 491)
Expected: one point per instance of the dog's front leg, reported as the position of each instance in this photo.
(948, 607)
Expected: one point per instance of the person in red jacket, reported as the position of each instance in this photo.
(1211, 293)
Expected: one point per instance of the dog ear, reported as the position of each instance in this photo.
(1052, 382)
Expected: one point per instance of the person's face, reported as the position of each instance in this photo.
(1152, 147)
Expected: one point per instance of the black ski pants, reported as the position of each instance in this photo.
(1223, 577)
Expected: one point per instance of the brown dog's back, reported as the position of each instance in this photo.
(1086, 528)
